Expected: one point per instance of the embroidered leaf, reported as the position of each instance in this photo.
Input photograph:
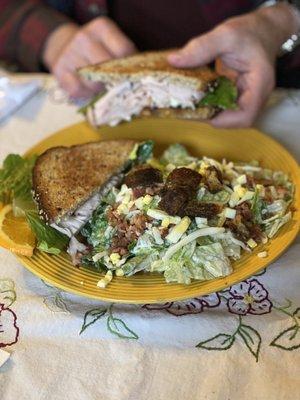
(118, 327)
(91, 316)
(7, 292)
(289, 339)
(56, 303)
(222, 341)
(7, 298)
(251, 338)
(296, 314)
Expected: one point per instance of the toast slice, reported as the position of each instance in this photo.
(153, 64)
(199, 113)
(64, 178)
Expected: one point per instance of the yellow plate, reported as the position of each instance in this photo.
(201, 139)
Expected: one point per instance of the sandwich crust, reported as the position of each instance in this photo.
(153, 64)
(65, 177)
(199, 113)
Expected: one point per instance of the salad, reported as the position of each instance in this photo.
(184, 217)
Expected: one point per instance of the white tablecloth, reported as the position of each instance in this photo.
(216, 347)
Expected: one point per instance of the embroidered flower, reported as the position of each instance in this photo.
(9, 331)
(249, 297)
(191, 306)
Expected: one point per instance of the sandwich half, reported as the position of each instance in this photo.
(69, 182)
(146, 85)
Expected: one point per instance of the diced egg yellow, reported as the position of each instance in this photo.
(133, 154)
(147, 199)
(119, 272)
(155, 164)
(242, 179)
(114, 257)
(170, 167)
(192, 165)
(251, 243)
(203, 168)
(105, 281)
(139, 203)
(262, 254)
(178, 230)
(126, 198)
(241, 191)
(261, 190)
(165, 222)
(247, 196)
(122, 209)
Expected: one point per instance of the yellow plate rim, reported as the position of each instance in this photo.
(197, 288)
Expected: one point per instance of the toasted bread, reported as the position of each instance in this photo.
(199, 113)
(65, 177)
(153, 64)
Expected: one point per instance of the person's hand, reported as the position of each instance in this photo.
(70, 47)
(247, 47)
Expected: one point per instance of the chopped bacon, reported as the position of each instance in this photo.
(127, 231)
(244, 210)
(213, 179)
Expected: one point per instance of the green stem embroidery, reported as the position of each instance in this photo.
(224, 341)
(116, 326)
(289, 338)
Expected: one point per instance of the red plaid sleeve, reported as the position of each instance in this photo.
(24, 28)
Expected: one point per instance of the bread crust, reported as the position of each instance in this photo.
(152, 64)
(65, 177)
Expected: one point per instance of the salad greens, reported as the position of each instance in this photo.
(177, 155)
(15, 178)
(223, 96)
(15, 188)
(48, 238)
(183, 248)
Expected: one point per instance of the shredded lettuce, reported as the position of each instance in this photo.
(220, 197)
(194, 262)
(273, 227)
(145, 245)
(257, 207)
(223, 96)
(139, 263)
(48, 238)
(16, 178)
(96, 230)
(177, 155)
(145, 151)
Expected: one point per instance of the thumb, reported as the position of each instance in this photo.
(199, 51)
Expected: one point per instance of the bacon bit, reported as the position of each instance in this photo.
(213, 179)
(163, 232)
(244, 210)
(127, 231)
(152, 190)
(250, 182)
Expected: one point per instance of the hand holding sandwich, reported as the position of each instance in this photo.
(71, 47)
(248, 45)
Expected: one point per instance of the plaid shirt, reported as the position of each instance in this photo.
(26, 24)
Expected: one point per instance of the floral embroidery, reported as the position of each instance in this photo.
(249, 297)
(191, 306)
(54, 299)
(9, 331)
(288, 339)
